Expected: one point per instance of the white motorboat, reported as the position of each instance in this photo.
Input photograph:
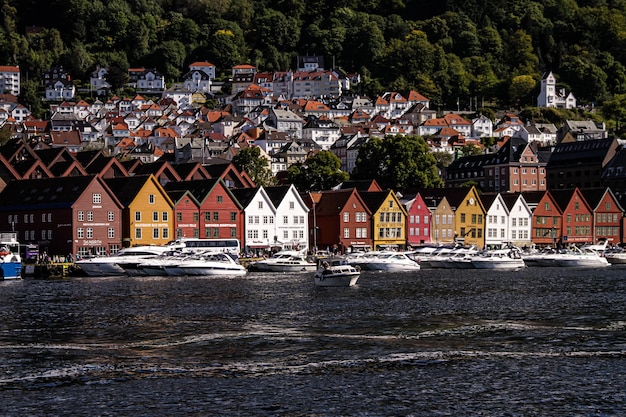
(462, 259)
(584, 257)
(503, 259)
(544, 258)
(128, 258)
(386, 261)
(155, 266)
(616, 257)
(284, 261)
(207, 264)
(10, 259)
(435, 259)
(336, 272)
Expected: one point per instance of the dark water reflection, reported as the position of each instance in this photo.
(534, 342)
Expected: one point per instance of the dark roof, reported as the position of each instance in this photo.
(332, 202)
(200, 189)
(126, 188)
(373, 199)
(244, 195)
(562, 197)
(583, 152)
(44, 193)
(277, 194)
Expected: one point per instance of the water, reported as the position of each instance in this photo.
(539, 342)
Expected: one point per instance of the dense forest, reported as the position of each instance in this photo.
(455, 52)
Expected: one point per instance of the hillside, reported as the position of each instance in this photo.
(452, 51)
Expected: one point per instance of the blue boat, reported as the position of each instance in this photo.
(10, 259)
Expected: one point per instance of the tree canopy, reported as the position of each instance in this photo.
(257, 166)
(398, 163)
(319, 172)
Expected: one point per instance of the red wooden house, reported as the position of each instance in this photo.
(418, 220)
(186, 214)
(576, 216)
(71, 215)
(343, 220)
(220, 214)
(607, 215)
(547, 222)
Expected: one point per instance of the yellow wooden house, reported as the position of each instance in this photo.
(469, 216)
(148, 213)
(388, 219)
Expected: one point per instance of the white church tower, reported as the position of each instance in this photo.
(549, 96)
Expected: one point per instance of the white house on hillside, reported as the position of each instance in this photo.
(550, 96)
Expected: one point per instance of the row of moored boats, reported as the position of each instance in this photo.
(341, 270)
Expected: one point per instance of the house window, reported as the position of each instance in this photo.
(196, 216)
(179, 216)
(260, 204)
(81, 216)
(90, 233)
(196, 233)
(462, 217)
(80, 233)
(233, 216)
(291, 205)
(546, 206)
(96, 198)
(346, 217)
(233, 232)
(346, 233)
(151, 198)
(137, 216)
(285, 219)
(138, 233)
(90, 216)
(155, 233)
(220, 199)
(111, 216)
(111, 233)
(155, 216)
(164, 216)
(207, 217)
(165, 233)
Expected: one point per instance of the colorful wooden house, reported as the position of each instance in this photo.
(607, 213)
(343, 220)
(220, 214)
(388, 221)
(186, 214)
(442, 216)
(497, 230)
(63, 216)
(418, 224)
(577, 216)
(520, 219)
(259, 218)
(547, 222)
(469, 216)
(148, 213)
(292, 217)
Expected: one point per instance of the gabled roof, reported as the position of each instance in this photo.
(44, 193)
(374, 199)
(200, 189)
(333, 202)
(191, 171)
(594, 197)
(126, 189)
(361, 185)
(244, 195)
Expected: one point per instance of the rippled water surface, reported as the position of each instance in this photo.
(538, 342)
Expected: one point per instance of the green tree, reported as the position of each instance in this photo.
(321, 171)
(257, 166)
(398, 162)
(520, 89)
(615, 110)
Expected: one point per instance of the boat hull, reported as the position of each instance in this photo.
(337, 279)
(11, 270)
(274, 267)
